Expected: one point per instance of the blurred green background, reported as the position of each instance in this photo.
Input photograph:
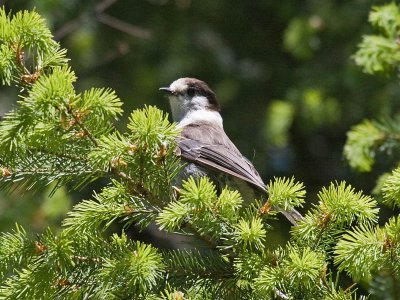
(282, 71)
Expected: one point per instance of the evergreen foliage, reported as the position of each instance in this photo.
(57, 135)
(377, 54)
(391, 188)
(380, 53)
(286, 193)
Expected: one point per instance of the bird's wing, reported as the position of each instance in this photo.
(220, 158)
(210, 147)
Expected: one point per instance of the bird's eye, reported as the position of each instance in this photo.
(191, 92)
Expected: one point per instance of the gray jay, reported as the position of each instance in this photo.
(206, 148)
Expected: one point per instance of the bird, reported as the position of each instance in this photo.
(204, 146)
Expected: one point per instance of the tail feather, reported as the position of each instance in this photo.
(293, 215)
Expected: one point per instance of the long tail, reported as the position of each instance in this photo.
(293, 215)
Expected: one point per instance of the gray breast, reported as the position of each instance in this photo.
(190, 169)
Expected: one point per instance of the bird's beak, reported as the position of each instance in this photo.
(165, 89)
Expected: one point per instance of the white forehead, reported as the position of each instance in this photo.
(179, 85)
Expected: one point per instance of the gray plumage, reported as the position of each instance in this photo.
(211, 147)
(205, 146)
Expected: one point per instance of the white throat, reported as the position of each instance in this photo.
(187, 110)
(201, 115)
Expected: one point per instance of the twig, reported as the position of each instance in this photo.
(138, 189)
(124, 27)
(115, 23)
(394, 282)
(102, 6)
(143, 192)
(50, 172)
(77, 22)
(20, 59)
(91, 259)
(324, 225)
(82, 126)
(204, 237)
(68, 27)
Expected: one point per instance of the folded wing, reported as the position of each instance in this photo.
(210, 147)
(220, 158)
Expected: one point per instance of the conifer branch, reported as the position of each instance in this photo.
(57, 134)
(138, 189)
(81, 125)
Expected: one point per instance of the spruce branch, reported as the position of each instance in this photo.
(197, 211)
(380, 53)
(386, 18)
(338, 208)
(343, 204)
(137, 189)
(358, 252)
(391, 188)
(294, 272)
(135, 267)
(361, 142)
(57, 134)
(36, 170)
(250, 233)
(113, 203)
(15, 250)
(198, 193)
(369, 138)
(173, 216)
(25, 36)
(192, 265)
(53, 120)
(285, 193)
(80, 124)
(368, 251)
(229, 204)
(143, 158)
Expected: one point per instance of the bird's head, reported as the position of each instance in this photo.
(187, 95)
